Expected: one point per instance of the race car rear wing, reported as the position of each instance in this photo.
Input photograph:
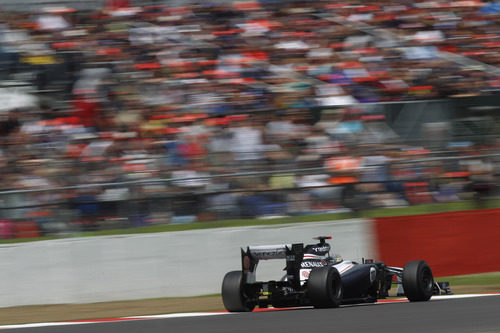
(264, 252)
(292, 253)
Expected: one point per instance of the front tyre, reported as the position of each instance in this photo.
(418, 282)
(233, 293)
(324, 287)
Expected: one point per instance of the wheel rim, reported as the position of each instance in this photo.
(336, 289)
(427, 279)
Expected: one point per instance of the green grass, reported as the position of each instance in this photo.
(25, 240)
(432, 208)
(385, 212)
(484, 279)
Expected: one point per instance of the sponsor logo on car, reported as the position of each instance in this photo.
(311, 264)
(321, 249)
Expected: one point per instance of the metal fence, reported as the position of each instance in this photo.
(29, 213)
(37, 5)
(90, 5)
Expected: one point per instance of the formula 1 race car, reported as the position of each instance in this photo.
(315, 278)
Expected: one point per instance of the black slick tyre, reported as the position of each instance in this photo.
(418, 282)
(233, 294)
(324, 287)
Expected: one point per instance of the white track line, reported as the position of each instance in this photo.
(177, 315)
(111, 320)
(197, 314)
(442, 297)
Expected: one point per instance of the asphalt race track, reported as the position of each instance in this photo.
(480, 314)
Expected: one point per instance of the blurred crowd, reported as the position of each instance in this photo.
(162, 114)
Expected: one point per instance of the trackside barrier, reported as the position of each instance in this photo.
(18, 229)
(168, 264)
(6, 229)
(454, 243)
(190, 263)
(25, 229)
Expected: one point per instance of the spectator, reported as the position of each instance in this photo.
(203, 90)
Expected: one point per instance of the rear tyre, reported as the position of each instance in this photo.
(418, 282)
(324, 287)
(233, 293)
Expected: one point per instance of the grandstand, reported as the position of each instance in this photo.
(165, 113)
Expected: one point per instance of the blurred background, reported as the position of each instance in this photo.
(120, 114)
